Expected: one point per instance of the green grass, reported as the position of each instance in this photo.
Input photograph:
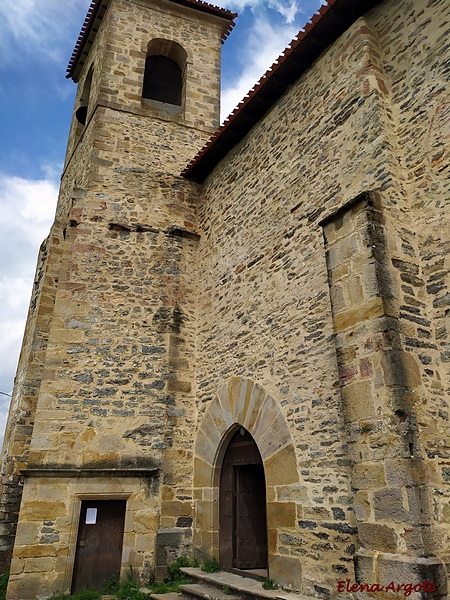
(175, 577)
(164, 587)
(211, 565)
(174, 569)
(3, 585)
(111, 585)
(129, 590)
(269, 584)
(81, 595)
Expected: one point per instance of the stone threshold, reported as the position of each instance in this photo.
(258, 574)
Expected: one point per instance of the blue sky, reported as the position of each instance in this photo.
(36, 103)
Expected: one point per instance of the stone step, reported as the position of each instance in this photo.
(207, 592)
(168, 596)
(258, 574)
(244, 587)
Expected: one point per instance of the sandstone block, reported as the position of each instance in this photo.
(27, 533)
(286, 571)
(17, 565)
(361, 506)
(365, 563)
(203, 473)
(358, 401)
(368, 475)
(43, 511)
(412, 570)
(272, 540)
(371, 309)
(281, 468)
(294, 493)
(146, 519)
(176, 508)
(203, 515)
(377, 537)
(39, 551)
(145, 542)
(39, 565)
(281, 514)
(24, 588)
(388, 505)
(276, 437)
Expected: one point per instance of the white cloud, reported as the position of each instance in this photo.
(287, 10)
(264, 45)
(265, 42)
(26, 208)
(30, 26)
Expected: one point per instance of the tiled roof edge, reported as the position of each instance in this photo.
(97, 4)
(83, 36)
(323, 29)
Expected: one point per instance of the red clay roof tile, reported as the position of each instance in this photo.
(325, 27)
(98, 8)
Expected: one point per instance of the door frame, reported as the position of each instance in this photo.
(76, 515)
(241, 401)
(227, 523)
(96, 539)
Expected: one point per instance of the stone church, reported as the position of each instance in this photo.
(238, 338)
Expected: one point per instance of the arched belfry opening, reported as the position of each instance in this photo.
(242, 505)
(164, 74)
(82, 110)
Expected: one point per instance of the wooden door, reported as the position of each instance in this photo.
(242, 506)
(251, 528)
(99, 543)
(226, 518)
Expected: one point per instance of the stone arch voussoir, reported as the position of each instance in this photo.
(242, 402)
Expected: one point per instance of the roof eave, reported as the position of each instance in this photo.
(97, 11)
(326, 26)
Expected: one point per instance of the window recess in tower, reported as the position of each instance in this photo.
(164, 75)
(82, 110)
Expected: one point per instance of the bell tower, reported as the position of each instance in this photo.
(102, 416)
(152, 62)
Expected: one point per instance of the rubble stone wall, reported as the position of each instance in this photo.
(302, 293)
(324, 304)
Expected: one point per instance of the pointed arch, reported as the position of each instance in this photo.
(244, 403)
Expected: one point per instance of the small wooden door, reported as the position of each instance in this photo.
(99, 543)
(243, 523)
(251, 531)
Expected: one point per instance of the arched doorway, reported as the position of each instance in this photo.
(242, 505)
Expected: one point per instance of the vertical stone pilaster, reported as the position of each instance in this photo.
(379, 383)
(28, 379)
(174, 538)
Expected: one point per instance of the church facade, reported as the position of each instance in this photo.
(246, 355)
